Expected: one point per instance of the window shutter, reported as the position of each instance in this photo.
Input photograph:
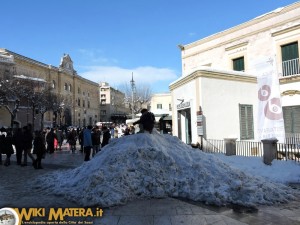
(246, 122)
(291, 116)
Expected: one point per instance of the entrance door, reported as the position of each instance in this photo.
(184, 125)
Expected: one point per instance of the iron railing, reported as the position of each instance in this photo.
(290, 67)
(286, 151)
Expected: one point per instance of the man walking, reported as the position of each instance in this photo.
(87, 142)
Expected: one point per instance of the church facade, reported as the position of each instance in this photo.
(79, 98)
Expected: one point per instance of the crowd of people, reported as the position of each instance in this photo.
(26, 143)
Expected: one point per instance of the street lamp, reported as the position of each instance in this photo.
(132, 95)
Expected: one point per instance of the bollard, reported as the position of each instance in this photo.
(230, 146)
(270, 150)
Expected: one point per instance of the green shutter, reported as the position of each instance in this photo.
(291, 116)
(289, 51)
(238, 64)
(246, 122)
(290, 57)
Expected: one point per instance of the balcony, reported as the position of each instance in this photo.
(291, 68)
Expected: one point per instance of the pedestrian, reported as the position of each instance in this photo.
(80, 138)
(106, 136)
(87, 142)
(39, 149)
(60, 138)
(7, 142)
(71, 139)
(50, 139)
(17, 140)
(96, 135)
(27, 145)
(146, 121)
(2, 131)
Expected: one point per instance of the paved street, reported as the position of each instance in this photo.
(15, 191)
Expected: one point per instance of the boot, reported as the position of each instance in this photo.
(39, 165)
(34, 164)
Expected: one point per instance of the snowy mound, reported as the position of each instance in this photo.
(156, 166)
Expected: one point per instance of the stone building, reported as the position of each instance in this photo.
(79, 98)
(217, 95)
(112, 103)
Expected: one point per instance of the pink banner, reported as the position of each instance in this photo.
(270, 116)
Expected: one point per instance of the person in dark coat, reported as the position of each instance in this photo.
(71, 139)
(106, 136)
(39, 149)
(147, 121)
(96, 134)
(27, 144)
(50, 141)
(60, 138)
(7, 142)
(17, 140)
(1, 143)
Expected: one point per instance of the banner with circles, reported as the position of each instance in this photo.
(270, 115)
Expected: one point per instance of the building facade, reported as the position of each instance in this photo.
(79, 97)
(112, 102)
(161, 107)
(216, 96)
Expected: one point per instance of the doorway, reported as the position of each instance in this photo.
(184, 125)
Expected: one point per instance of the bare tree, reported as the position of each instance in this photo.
(10, 94)
(137, 97)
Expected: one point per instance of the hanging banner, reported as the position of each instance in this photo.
(270, 116)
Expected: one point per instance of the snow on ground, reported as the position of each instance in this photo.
(157, 166)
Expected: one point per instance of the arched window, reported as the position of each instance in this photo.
(53, 84)
(66, 87)
(70, 87)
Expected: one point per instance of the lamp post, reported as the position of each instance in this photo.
(132, 95)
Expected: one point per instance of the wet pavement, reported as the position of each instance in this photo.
(16, 192)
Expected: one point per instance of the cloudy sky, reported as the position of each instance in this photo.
(109, 40)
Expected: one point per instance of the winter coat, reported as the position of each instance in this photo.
(72, 138)
(27, 139)
(106, 137)
(7, 144)
(18, 138)
(39, 147)
(87, 138)
(96, 137)
(147, 120)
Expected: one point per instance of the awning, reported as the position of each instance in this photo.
(168, 118)
(157, 118)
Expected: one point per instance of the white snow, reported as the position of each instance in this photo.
(157, 166)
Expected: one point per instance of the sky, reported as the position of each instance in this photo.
(160, 165)
(110, 40)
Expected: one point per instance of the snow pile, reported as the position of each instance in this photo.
(156, 166)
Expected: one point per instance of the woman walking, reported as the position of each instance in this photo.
(39, 149)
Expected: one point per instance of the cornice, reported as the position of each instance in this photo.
(289, 79)
(289, 29)
(236, 28)
(254, 21)
(237, 46)
(212, 75)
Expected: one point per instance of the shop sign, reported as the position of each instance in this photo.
(183, 105)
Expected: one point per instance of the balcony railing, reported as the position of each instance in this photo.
(290, 67)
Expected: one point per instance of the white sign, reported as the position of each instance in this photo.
(183, 105)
